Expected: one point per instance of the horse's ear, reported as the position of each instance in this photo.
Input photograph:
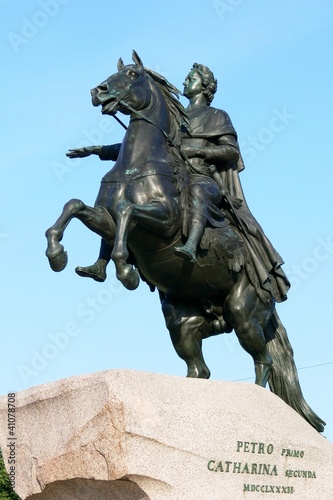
(120, 64)
(136, 59)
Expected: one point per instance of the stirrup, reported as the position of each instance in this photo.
(185, 252)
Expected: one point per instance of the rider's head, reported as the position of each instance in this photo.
(209, 83)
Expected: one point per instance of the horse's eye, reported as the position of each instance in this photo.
(132, 74)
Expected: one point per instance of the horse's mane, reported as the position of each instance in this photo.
(177, 110)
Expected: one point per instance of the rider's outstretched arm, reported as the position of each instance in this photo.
(104, 152)
(109, 152)
(83, 152)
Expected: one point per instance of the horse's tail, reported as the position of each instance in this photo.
(284, 380)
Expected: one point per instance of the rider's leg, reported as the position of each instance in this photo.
(197, 226)
(204, 195)
(97, 271)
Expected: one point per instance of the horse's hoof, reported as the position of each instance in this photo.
(263, 373)
(198, 372)
(59, 261)
(129, 277)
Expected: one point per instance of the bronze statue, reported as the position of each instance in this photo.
(228, 275)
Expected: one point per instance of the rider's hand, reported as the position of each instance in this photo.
(192, 151)
(82, 152)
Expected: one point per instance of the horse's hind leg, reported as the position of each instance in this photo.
(249, 316)
(96, 219)
(187, 326)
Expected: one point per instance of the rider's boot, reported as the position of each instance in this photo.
(97, 271)
(189, 250)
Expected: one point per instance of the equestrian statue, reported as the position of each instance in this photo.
(172, 212)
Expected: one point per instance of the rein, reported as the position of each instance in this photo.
(120, 122)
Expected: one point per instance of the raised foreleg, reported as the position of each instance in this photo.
(151, 201)
(96, 219)
(154, 216)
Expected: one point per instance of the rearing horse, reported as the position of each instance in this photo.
(140, 214)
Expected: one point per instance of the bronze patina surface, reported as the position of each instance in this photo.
(172, 212)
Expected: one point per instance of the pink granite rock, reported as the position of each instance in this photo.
(135, 435)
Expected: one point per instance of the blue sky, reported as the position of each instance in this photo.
(273, 62)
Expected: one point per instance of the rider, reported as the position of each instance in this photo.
(212, 141)
(210, 147)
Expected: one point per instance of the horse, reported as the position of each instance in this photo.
(142, 219)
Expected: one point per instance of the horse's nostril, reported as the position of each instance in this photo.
(102, 88)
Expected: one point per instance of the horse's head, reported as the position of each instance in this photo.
(128, 87)
(131, 90)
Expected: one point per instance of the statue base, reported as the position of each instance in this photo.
(135, 435)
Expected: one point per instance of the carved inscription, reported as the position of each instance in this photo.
(261, 466)
(264, 488)
(242, 468)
